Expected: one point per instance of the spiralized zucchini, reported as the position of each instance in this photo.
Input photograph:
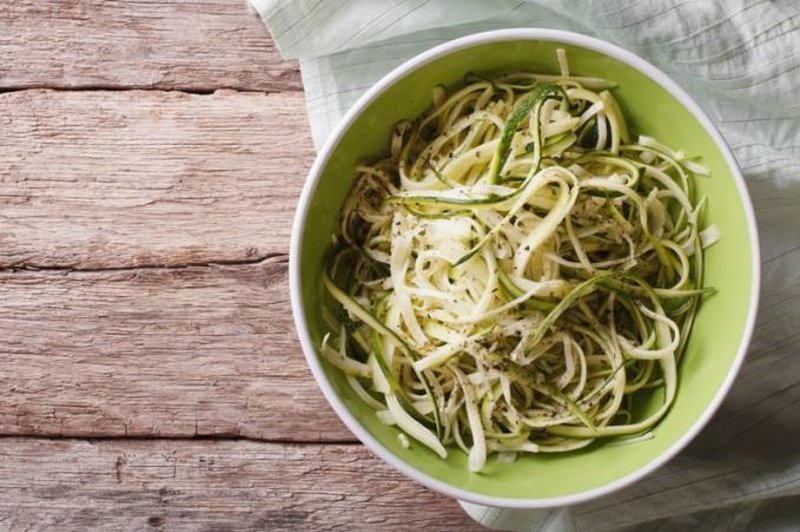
(518, 273)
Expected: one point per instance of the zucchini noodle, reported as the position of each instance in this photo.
(518, 274)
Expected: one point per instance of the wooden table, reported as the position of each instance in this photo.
(152, 155)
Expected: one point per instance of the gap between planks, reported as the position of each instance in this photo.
(114, 88)
(353, 441)
(33, 267)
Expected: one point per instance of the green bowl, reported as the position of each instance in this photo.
(656, 106)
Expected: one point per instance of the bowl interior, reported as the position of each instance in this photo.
(720, 322)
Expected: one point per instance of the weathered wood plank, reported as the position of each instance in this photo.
(117, 179)
(210, 485)
(157, 352)
(165, 44)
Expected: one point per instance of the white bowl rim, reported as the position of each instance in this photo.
(298, 229)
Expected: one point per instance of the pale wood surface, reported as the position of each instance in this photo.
(100, 179)
(208, 485)
(171, 44)
(168, 352)
(144, 302)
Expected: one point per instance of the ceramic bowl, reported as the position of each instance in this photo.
(654, 105)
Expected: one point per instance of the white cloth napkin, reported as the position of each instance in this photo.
(740, 60)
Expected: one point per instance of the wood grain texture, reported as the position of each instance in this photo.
(99, 179)
(216, 486)
(179, 352)
(143, 284)
(165, 44)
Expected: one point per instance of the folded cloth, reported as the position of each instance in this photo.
(740, 60)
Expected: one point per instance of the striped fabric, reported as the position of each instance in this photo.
(740, 60)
